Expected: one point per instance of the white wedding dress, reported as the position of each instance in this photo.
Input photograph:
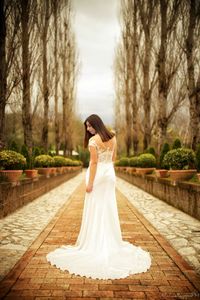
(100, 252)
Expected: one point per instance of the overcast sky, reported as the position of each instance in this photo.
(97, 31)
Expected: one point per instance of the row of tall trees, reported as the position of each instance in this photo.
(157, 70)
(38, 68)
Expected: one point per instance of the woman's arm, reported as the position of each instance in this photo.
(93, 168)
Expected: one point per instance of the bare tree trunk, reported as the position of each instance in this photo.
(194, 97)
(55, 12)
(127, 50)
(146, 15)
(162, 88)
(168, 63)
(45, 83)
(65, 87)
(26, 106)
(3, 81)
(134, 81)
(127, 106)
(147, 98)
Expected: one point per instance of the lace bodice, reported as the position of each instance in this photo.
(104, 153)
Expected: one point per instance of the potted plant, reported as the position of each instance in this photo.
(122, 164)
(68, 163)
(43, 164)
(75, 164)
(161, 173)
(146, 164)
(29, 169)
(198, 160)
(181, 163)
(133, 161)
(116, 165)
(12, 164)
(59, 163)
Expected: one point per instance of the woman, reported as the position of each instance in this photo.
(99, 251)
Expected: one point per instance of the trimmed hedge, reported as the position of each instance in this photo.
(179, 159)
(165, 149)
(146, 160)
(198, 157)
(12, 160)
(44, 161)
(176, 144)
(123, 162)
(133, 161)
(59, 161)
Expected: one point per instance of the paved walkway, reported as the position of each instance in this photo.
(170, 276)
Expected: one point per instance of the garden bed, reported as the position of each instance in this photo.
(13, 197)
(183, 195)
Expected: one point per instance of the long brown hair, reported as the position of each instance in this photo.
(96, 122)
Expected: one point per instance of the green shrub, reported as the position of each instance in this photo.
(36, 151)
(50, 153)
(71, 162)
(124, 162)
(59, 161)
(76, 162)
(84, 156)
(14, 147)
(12, 160)
(44, 161)
(42, 151)
(176, 144)
(151, 150)
(179, 159)
(146, 160)
(68, 162)
(133, 161)
(164, 150)
(198, 157)
(116, 163)
(25, 153)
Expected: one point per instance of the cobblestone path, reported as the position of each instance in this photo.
(21, 228)
(170, 276)
(180, 229)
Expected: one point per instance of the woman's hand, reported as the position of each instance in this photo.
(89, 188)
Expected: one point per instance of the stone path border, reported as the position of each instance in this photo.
(33, 277)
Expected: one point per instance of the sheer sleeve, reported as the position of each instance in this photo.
(92, 143)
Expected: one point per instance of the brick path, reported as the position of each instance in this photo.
(170, 277)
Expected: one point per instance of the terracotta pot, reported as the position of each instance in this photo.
(60, 170)
(65, 169)
(74, 168)
(130, 170)
(53, 171)
(31, 173)
(144, 171)
(12, 175)
(68, 168)
(44, 171)
(162, 173)
(177, 175)
(198, 175)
